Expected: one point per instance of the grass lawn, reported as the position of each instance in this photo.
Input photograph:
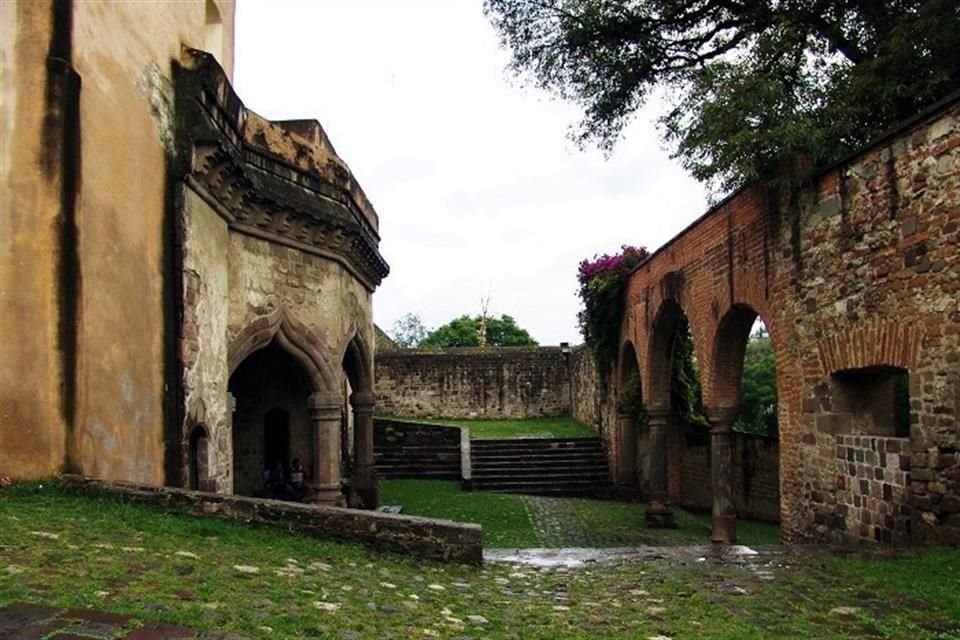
(562, 427)
(511, 520)
(76, 551)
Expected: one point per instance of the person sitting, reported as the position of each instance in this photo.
(297, 487)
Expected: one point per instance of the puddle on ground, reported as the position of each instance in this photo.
(579, 556)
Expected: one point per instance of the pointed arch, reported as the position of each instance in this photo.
(357, 362)
(293, 337)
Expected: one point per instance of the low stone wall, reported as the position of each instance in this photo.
(424, 537)
(873, 480)
(496, 383)
(405, 449)
(756, 463)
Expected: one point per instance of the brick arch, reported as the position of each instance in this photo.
(660, 351)
(293, 337)
(878, 342)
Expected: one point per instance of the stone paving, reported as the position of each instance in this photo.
(21, 621)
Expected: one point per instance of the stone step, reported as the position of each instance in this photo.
(542, 478)
(536, 443)
(522, 456)
(543, 472)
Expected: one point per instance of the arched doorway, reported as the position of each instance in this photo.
(271, 424)
(673, 405)
(199, 463)
(358, 421)
(634, 441)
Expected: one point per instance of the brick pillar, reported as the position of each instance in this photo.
(659, 514)
(325, 425)
(364, 481)
(721, 474)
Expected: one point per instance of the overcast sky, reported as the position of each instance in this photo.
(477, 187)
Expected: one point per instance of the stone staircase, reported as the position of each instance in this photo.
(541, 466)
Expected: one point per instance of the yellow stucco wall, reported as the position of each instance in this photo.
(123, 52)
(32, 430)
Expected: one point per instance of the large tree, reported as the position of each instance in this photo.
(408, 330)
(465, 332)
(749, 81)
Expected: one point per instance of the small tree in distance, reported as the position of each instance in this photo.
(408, 331)
(465, 332)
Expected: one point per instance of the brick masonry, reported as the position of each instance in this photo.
(508, 383)
(856, 274)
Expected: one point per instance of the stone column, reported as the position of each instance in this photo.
(627, 459)
(364, 482)
(325, 424)
(721, 474)
(659, 514)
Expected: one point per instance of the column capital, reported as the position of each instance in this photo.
(324, 400)
(362, 401)
(721, 418)
(658, 415)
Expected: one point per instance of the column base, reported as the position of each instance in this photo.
(724, 530)
(364, 489)
(330, 496)
(660, 516)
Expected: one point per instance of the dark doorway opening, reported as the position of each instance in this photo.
(276, 440)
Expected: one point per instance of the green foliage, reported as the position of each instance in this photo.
(464, 332)
(603, 285)
(751, 82)
(631, 398)
(758, 388)
(686, 394)
(408, 331)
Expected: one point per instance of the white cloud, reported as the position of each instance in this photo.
(477, 187)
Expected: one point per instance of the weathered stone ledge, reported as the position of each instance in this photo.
(441, 540)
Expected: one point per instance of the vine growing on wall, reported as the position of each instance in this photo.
(603, 286)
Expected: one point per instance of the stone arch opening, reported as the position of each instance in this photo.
(357, 424)
(742, 410)
(674, 408)
(634, 441)
(272, 421)
(199, 460)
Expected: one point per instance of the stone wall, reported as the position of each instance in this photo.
(855, 272)
(873, 485)
(507, 383)
(441, 540)
(756, 471)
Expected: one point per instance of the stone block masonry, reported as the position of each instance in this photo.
(873, 488)
(423, 537)
(499, 383)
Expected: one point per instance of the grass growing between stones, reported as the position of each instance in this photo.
(562, 427)
(511, 520)
(78, 551)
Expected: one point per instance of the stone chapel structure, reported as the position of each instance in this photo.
(185, 286)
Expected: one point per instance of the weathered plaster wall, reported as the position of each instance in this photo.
(509, 382)
(86, 133)
(33, 422)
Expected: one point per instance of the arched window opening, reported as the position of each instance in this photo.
(199, 459)
(758, 385)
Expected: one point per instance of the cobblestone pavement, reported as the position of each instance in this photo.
(20, 621)
(557, 523)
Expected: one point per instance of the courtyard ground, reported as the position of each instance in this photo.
(512, 520)
(71, 551)
(561, 427)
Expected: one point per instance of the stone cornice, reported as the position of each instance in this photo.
(269, 182)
